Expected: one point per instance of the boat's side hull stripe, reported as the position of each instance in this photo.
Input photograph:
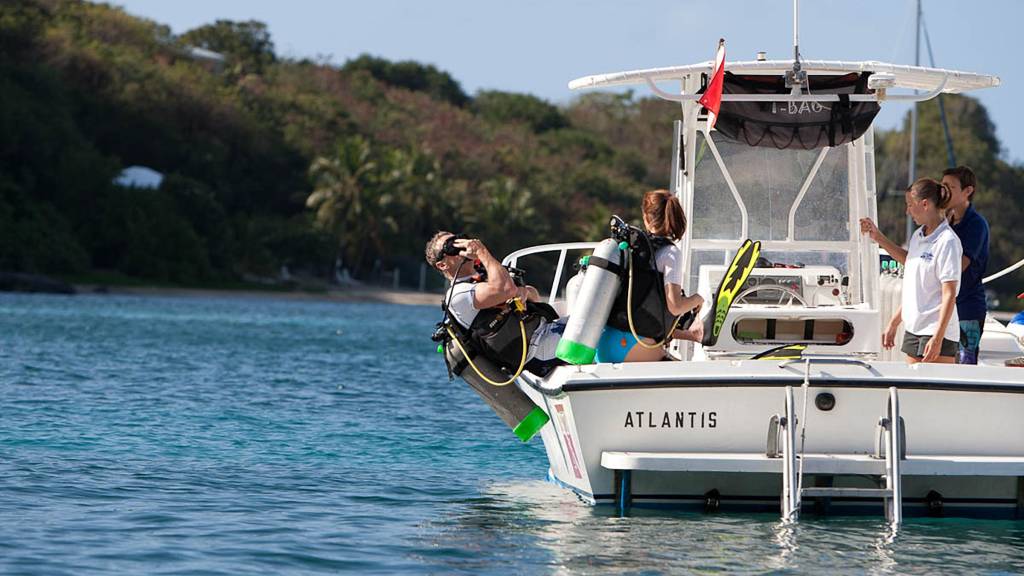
(876, 384)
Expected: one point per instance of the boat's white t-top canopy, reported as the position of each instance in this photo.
(886, 76)
(785, 167)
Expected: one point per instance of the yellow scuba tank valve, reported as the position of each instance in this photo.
(517, 305)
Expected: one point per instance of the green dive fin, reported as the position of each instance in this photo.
(733, 281)
(784, 352)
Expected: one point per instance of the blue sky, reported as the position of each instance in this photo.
(538, 46)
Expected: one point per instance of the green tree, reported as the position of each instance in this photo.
(21, 25)
(140, 232)
(414, 200)
(377, 201)
(343, 196)
(247, 45)
(504, 107)
(411, 76)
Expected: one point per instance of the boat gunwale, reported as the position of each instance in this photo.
(732, 381)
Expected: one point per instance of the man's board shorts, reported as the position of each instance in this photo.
(913, 345)
(970, 341)
(543, 344)
(614, 345)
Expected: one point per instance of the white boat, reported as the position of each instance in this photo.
(848, 427)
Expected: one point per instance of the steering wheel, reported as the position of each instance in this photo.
(783, 290)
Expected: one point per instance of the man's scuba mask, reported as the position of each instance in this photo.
(480, 273)
(449, 248)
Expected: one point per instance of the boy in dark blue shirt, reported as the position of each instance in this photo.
(972, 229)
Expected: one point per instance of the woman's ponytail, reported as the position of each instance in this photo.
(945, 195)
(675, 219)
(665, 214)
(933, 191)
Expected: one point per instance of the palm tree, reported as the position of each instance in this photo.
(343, 195)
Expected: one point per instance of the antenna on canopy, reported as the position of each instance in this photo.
(797, 77)
(796, 31)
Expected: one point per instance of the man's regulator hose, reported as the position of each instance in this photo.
(522, 361)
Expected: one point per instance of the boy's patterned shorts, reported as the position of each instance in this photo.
(970, 340)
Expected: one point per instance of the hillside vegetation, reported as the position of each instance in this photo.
(272, 162)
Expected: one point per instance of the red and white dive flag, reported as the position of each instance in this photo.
(712, 98)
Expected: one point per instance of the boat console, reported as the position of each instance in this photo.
(810, 286)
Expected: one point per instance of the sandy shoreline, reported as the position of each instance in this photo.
(362, 294)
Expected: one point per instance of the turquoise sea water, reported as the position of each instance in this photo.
(233, 436)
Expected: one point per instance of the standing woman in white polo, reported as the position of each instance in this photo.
(931, 280)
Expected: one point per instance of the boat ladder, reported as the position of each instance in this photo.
(892, 443)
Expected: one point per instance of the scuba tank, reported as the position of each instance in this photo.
(572, 288)
(589, 311)
(897, 301)
(510, 403)
(884, 307)
(891, 288)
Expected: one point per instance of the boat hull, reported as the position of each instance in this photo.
(702, 431)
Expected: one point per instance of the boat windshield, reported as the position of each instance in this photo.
(796, 202)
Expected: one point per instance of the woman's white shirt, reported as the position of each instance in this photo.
(931, 260)
(669, 260)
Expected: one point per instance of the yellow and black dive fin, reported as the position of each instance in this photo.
(784, 352)
(733, 281)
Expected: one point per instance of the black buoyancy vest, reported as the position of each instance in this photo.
(651, 317)
(495, 332)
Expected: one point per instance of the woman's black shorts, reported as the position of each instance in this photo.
(913, 345)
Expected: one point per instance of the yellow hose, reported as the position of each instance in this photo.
(522, 361)
(629, 313)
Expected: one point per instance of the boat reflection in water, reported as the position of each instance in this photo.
(533, 526)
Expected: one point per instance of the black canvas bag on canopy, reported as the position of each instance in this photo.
(796, 125)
